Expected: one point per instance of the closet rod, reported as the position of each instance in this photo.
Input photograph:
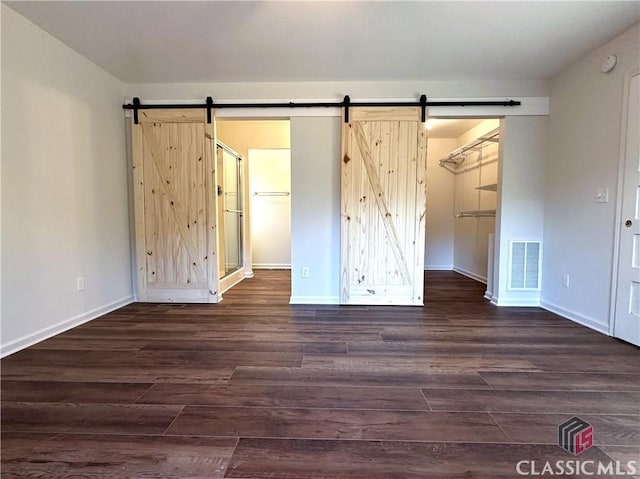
(490, 137)
(346, 103)
(477, 214)
(271, 193)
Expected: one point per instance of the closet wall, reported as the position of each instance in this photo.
(476, 181)
(440, 221)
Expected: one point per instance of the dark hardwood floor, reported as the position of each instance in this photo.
(255, 388)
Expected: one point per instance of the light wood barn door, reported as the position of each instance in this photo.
(175, 204)
(383, 207)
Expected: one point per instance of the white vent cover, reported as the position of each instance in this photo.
(524, 265)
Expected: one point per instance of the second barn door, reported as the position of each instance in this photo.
(383, 207)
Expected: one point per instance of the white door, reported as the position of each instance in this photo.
(270, 191)
(627, 314)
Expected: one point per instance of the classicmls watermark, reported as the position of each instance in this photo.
(576, 436)
(576, 467)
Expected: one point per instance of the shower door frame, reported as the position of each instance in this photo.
(230, 279)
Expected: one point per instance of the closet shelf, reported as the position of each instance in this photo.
(491, 187)
(477, 214)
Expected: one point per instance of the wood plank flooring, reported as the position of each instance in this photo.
(254, 388)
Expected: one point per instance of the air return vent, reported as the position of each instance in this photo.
(524, 265)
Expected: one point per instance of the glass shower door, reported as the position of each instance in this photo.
(230, 181)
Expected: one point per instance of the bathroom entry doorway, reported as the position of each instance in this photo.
(265, 180)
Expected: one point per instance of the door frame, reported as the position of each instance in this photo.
(619, 200)
(228, 281)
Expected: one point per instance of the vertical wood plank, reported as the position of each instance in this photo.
(421, 205)
(139, 209)
(153, 210)
(346, 220)
(211, 202)
(411, 148)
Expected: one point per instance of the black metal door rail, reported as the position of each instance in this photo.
(346, 103)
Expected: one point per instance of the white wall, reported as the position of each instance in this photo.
(523, 150)
(336, 90)
(64, 187)
(440, 215)
(585, 130)
(315, 209)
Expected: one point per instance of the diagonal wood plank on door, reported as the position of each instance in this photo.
(383, 207)
(179, 214)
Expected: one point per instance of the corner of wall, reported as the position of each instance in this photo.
(584, 152)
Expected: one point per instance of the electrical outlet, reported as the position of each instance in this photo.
(80, 283)
(565, 280)
(305, 271)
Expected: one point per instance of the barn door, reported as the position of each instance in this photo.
(383, 207)
(175, 204)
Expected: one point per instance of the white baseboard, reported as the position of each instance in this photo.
(230, 281)
(489, 295)
(526, 302)
(45, 333)
(314, 300)
(469, 274)
(576, 317)
(271, 266)
(248, 274)
(438, 267)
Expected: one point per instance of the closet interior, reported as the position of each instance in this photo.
(463, 184)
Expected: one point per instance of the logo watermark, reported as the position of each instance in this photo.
(576, 436)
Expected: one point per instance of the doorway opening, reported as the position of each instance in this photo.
(463, 162)
(262, 207)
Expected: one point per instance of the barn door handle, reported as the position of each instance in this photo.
(628, 223)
